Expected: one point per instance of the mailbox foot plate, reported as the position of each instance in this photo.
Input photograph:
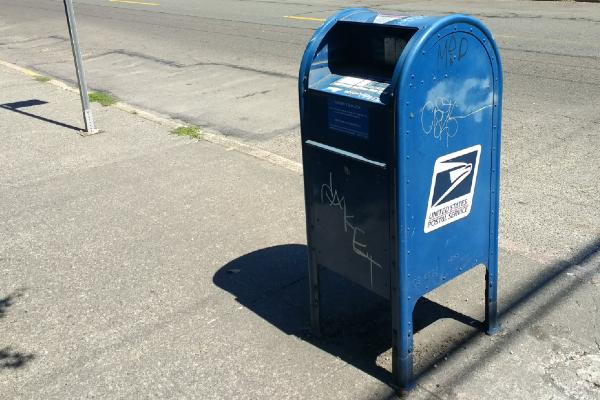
(405, 391)
(493, 330)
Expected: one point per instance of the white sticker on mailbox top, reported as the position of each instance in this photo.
(385, 18)
(452, 187)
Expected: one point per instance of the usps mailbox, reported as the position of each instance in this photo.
(400, 122)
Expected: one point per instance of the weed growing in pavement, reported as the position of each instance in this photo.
(192, 132)
(104, 99)
(42, 78)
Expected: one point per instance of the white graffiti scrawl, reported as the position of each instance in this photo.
(330, 196)
(448, 102)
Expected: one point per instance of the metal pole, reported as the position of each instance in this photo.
(83, 92)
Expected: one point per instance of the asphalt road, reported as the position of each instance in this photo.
(231, 65)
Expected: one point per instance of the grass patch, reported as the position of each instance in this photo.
(192, 132)
(42, 78)
(104, 99)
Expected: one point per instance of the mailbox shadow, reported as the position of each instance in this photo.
(19, 105)
(272, 282)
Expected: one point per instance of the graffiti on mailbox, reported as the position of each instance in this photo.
(331, 197)
(449, 102)
(452, 49)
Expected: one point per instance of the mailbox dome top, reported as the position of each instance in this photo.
(339, 47)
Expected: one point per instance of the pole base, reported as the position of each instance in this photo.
(91, 132)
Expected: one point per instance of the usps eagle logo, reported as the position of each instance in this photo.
(452, 187)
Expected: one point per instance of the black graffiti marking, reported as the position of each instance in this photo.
(451, 50)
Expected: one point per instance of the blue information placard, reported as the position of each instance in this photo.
(348, 118)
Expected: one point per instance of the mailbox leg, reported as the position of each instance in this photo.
(402, 350)
(314, 294)
(491, 297)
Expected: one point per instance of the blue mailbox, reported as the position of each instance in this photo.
(400, 121)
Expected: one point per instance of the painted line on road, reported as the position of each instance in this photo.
(141, 3)
(22, 70)
(304, 18)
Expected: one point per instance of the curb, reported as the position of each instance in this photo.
(216, 138)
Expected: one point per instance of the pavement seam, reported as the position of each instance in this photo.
(216, 138)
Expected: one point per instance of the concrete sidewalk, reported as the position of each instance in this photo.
(138, 264)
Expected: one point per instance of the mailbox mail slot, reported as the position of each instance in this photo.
(400, 123)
